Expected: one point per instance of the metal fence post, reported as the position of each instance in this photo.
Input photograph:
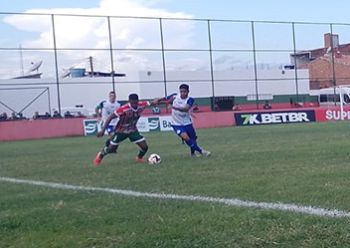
(211, 66)
(111, 51)
(56, 63)
(163, 56)
(255, 67)
(295, 62)
(334, 82)
(48, 98)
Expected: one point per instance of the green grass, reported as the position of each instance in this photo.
(302, 164)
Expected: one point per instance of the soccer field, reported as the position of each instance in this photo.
(303, 164)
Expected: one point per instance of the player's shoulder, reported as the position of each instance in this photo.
(190, 100)
(123, 108)
(116, 105)
(102, 103)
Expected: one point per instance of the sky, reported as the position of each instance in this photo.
(268, 10)
(31, 32)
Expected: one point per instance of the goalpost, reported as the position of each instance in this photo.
(344, 98)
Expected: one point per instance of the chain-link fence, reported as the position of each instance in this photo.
(79, 59)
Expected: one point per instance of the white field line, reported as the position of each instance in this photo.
(309, 210)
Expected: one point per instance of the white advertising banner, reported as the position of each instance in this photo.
(145, 124)
(154, 123)
(142, 124)
(165, 123)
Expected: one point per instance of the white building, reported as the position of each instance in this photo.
(41, 94)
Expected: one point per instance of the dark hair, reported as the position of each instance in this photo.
(185, 87)
(112, 92)
(133, 97)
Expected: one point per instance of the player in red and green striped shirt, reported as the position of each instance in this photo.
(128, 115)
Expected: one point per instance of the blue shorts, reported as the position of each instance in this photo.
(185, 129)
(110, 129)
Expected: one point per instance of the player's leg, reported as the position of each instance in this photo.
(191, 132)
(111, 148)
(191, 141)
(192, 137)
(139, 140)
(110, 131)
(186, 139)
(182, 132)
(143, 150)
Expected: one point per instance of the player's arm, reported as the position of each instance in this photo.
(167, 100)
(145, 104)
(106, 124)
(117, 115)
(184, 109)
(98, 109)
(187, 107)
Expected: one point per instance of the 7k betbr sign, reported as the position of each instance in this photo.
(278, 117)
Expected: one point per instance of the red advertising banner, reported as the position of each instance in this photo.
(332, 114)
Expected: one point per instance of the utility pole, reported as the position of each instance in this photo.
(91, 66)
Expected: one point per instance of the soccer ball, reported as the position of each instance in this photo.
(154, 159)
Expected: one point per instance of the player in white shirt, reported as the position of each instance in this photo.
(105, 109)
(181, 119)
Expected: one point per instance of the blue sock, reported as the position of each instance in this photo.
(193, 145)
(199, 149)
(192, 150)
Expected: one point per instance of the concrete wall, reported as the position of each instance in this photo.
(39, 129)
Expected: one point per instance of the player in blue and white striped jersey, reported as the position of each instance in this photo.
(181, 118)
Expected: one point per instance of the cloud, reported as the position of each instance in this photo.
(92, 32)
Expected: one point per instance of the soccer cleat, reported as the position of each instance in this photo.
(98, 159)
(206, 153)
(196, 154)
(140, 160)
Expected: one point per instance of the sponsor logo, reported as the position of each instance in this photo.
(165, 123)
(161, 123)
(90, 127)
(142, 124)
(153, 124)
(336, 115)
(274, 117)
